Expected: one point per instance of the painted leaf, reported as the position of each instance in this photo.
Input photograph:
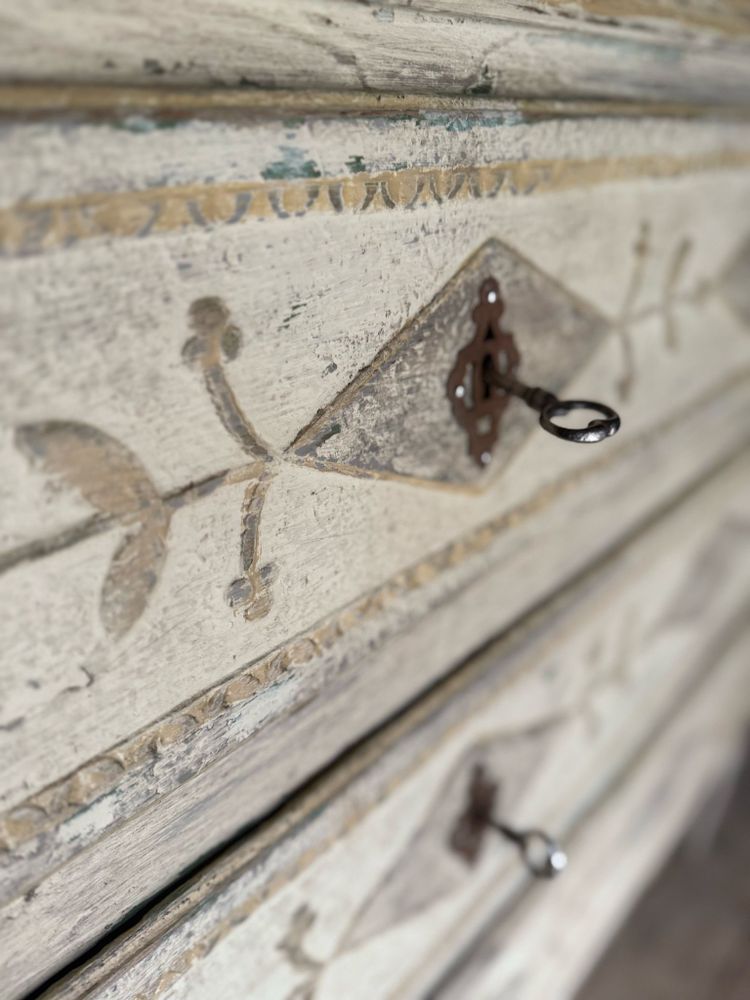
(113, 481)
(133, 574)
(107, 474)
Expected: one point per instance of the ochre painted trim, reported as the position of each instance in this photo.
(110, 103)
(37, 227)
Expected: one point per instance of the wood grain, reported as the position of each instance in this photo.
(554, 711)
(508, 48)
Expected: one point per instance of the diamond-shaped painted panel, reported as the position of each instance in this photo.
(395, 419)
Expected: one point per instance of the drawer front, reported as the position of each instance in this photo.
(235, 501)
(547, 944)
(356, 888)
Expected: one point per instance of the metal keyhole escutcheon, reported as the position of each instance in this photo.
(483, 381)
(541, 853)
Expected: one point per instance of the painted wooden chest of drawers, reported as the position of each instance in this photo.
(263, 614)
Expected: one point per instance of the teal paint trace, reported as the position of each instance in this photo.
(293, 166)
(356, 164)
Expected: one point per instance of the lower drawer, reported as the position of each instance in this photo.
(356, 887)
(545, 945)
